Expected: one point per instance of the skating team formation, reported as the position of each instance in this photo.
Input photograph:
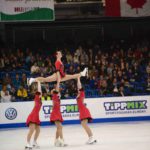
(33, 120)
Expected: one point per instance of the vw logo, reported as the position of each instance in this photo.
(11, 113)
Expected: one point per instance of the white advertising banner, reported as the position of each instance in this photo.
(26, 10)
(100, 108)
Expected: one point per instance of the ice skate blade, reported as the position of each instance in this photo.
(94, 142)
(28, 148)
(36, 147)
(64, 145)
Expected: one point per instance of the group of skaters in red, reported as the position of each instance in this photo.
(55, 116)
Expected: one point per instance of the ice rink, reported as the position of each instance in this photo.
(110, 136)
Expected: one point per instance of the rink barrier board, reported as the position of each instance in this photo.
(114, 109)
(68, 122)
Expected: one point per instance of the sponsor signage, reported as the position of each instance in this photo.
(100, 108)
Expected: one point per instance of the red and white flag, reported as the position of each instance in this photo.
(128, 8)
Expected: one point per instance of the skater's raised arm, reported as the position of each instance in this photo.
(79, 85)
(39, 87)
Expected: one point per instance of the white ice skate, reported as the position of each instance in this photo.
(57, 143)
(91, 140)
(84, 72)
(28, 147)
(60, 143)
(35, 145)
(30, 81)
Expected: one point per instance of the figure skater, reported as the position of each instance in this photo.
(33, 121)
(60, 74)
(85, 115)
(56, 117)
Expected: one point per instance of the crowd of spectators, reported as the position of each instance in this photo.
(118, 69)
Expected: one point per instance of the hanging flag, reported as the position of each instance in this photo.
(127, 8)
(27, 10)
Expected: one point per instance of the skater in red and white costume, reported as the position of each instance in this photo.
(56, 117)
(60, 74)
(85, 115)
(33, 121)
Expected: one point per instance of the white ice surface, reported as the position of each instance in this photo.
(110, 136)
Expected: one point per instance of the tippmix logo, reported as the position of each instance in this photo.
(73, 108)
(125, 105)
(11, 113)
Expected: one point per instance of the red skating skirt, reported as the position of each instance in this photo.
(33, 118)
(56, 116)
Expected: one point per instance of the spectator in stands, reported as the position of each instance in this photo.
(45, 97)
(110, 68)
(136, 71)
(130, 75)
(2, 64)
(72, 89)
(115, 87)
(65, 93)
(148, 69)
(90, 57)
(35, 69)
(121, 91)
(122, 64)
(13, 94)
(96, 60)
(78, 52)
(75, 59)
(103, 88)
(119, 76)
(148, 85)
(22, 93)
(28, 57)
(71, 70)
(83, 58)
(86, 57)
(94, 72)
(69, 58)
(99, 81)
(13, 62)
(78, 69)
(24, 80)
(93, 82)
(50, 67)
(7, 63)
(16, 81)
(7, 79)
(42, 69)
(39, 61)
(5, 96)
(110, 84)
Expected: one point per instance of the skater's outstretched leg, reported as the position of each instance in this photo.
(53, 77)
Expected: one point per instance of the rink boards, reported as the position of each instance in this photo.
(114, 109)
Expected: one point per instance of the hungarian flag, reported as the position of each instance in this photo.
(127, 8)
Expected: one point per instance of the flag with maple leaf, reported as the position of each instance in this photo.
(128, 8)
